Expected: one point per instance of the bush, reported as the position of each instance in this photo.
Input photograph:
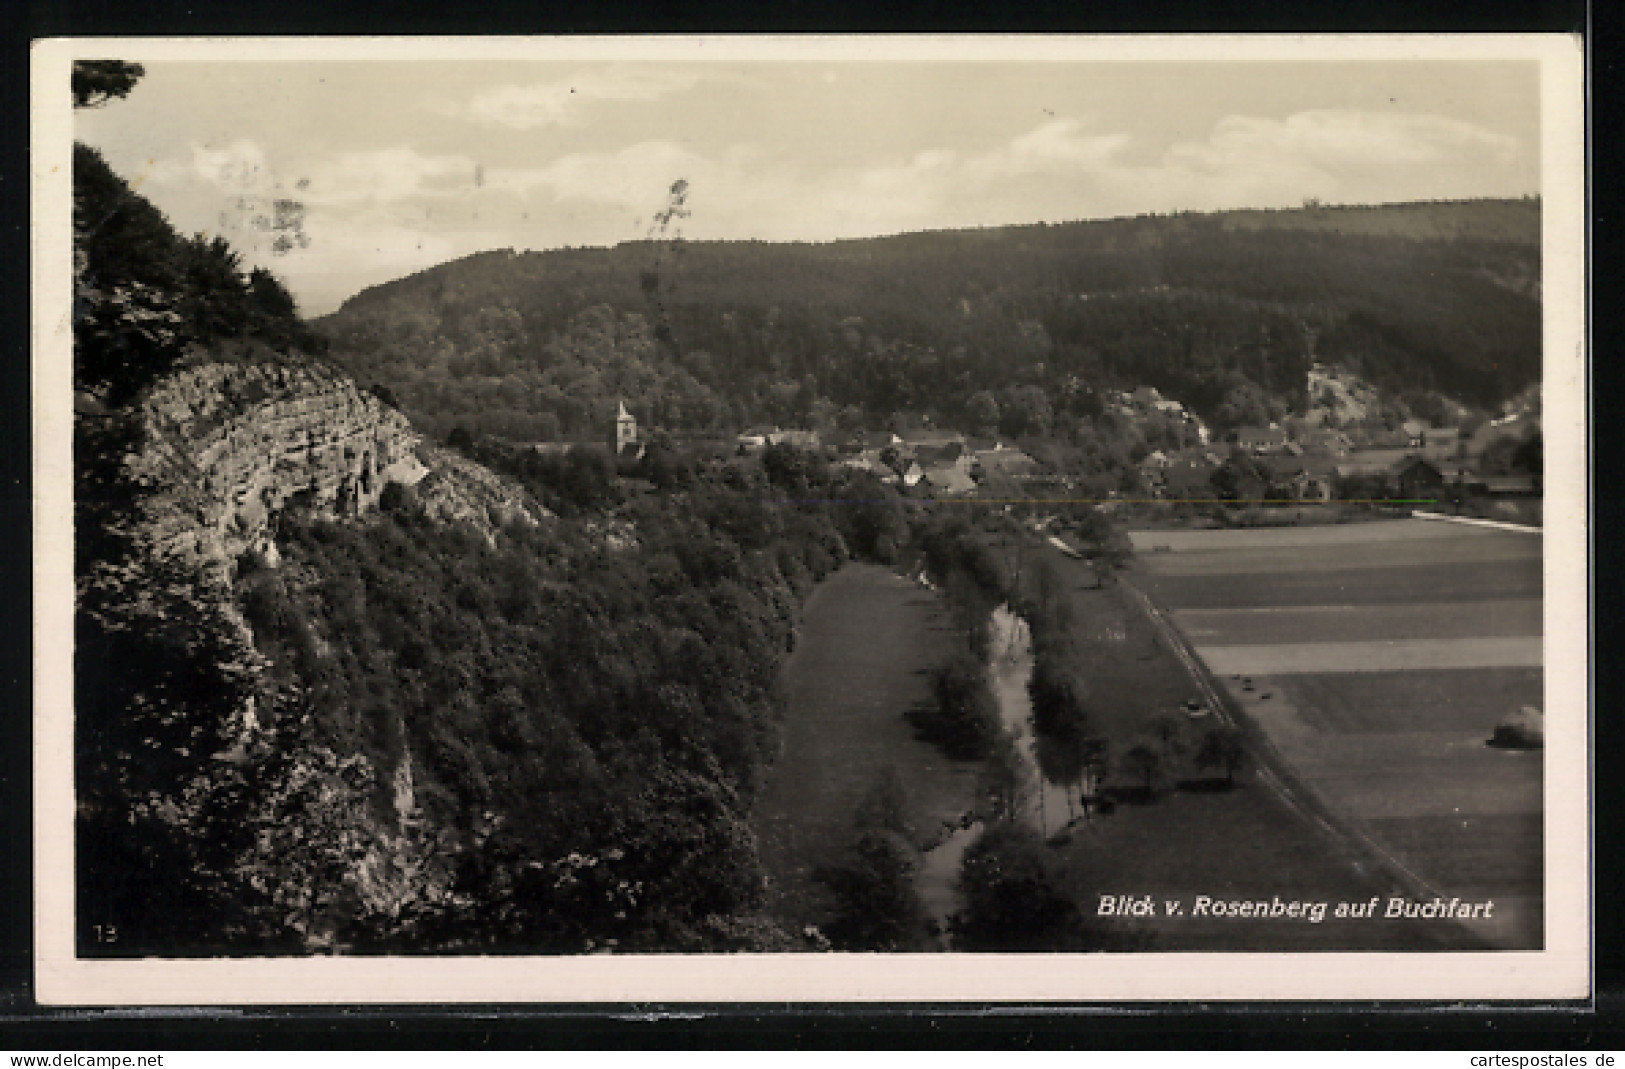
(964, 719)
(398, 498)
(1143, 761)
(1222, 747)
(1058, 698)
(1014, 899)
(877, 906)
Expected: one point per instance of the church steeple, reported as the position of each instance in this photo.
(626, 428)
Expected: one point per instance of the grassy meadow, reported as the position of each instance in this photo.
(868, 639)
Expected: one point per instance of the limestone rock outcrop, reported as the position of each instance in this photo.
(243, 441)
(173, 492)
(457, 490)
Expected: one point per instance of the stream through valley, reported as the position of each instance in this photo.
(1047, 807)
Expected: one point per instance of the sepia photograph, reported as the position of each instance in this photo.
(810, 518)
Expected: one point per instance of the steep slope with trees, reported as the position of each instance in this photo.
(336, 688)
(1222, 312)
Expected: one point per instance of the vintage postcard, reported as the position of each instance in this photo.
(811, 519)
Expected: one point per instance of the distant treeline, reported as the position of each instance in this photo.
(1219, 311)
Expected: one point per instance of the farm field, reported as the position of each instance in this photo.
(1384, 680)
(868, 638)
(1258, 560)
(1380, 655)
(1391, 583)
(1229, 540)
(1338, 623)
(1244, 843)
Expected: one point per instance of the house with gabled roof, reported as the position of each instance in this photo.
(1326, 441)
(1004, 460)
(1443, 440)
(1261, 440)
(952, 452)
(949, 479)
(1189, 478)
(1418, 478)
(798, 439)
(927, 438)
(880, 439)
(1307, 478)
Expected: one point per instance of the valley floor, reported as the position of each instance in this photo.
(869, 638)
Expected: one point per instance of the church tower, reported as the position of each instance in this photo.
(626, 430)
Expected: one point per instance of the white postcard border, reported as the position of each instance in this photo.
(1559, 972)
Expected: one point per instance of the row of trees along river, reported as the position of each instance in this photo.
(1011, 698)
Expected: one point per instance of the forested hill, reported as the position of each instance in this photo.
(1222, 311)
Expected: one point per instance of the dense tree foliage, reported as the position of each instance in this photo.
(144, 294)
(963, 718)
(1015, 896)
(97, 81)
(1014, 329)
(876, 904)
(564, 696)
(1222, 748)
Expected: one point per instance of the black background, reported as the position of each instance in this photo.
(23, 1026)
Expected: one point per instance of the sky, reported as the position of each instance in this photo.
(342, 175)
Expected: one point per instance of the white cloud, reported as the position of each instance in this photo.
(388, 175)
(637, 176)
(1065, 168)
(559, 103)
(1342, 156)
(1334, 141)
(1056, 147)
(239, 167)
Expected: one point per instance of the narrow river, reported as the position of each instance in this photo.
(1043, 805)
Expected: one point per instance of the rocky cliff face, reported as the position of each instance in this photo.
(234, 444)
(457, 490)
(227, 447)
(191, 481)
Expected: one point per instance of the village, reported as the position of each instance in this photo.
(1339, 451)
(1333, 453)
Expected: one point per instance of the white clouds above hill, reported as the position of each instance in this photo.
(398, 166)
